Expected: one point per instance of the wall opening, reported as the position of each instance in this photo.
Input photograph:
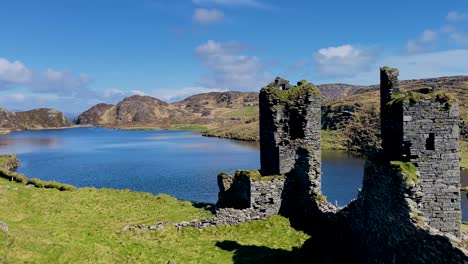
(430, 142)
(342, 176)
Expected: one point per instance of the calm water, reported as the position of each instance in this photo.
(464, 198)
(180, 163)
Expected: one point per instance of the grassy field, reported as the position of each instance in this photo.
(84, 226)
(332, 140)
(245, 112)
(464, 154)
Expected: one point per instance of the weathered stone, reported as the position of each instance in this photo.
(3, 227)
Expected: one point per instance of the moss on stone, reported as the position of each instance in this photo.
(321, 198)
(255, 175)
(407, 168)
(413, 98)
(391, 72)
(293, 93)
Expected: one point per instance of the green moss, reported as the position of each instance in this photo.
(407, 168)
(303, 88)
(390, 71)
(413, 98)
(256, 176)
(321, 198)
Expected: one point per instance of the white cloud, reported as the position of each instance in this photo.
(13, 73)
(207, 16)
(343, 60)
(248, 3)
(425, 42)
(228, 69)
(428, 36)
(459, 37)
(456, 16)
(416, 66)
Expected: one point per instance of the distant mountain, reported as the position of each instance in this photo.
(145, 111)
(33, 119)
(209, 109)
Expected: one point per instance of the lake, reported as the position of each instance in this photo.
(180, 163)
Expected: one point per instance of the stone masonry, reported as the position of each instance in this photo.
(289, 119)
(399, 216)
(289, 152)
(424, 131)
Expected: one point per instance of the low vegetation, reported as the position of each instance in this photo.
(256, 176)
(303, 87)
(407, 168)
(84, 226)
(464, 154)
(411, 98)
(235, 130)
(7, 162)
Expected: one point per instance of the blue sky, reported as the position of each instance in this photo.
(72, 54)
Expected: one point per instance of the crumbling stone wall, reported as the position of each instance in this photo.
(249, 190)
(397, 217)
(430, 137)
(289, 119)
(422, 127)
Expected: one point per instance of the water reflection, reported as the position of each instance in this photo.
(342, 174)
(464, 195)
(28, 144)
(181, 163)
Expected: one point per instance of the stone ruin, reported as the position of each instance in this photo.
(422, 127)
(289, 150)
(408, 210)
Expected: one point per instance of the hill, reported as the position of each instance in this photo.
(207, 110)
(42, 118)
(351, 120)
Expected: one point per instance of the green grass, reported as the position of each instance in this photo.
(407, 168)
(189, 127)
(333, 140)
(412, 98)
(140, 128)
(244, 112)
(84, 226)
(303, 88)
(256, 176)
(464, 154)
(21, 178)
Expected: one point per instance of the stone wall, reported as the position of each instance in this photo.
(422, 127)
(430, 137)
(384, 224)
(289, 119)
(249, 190)
(397, 217)
(391, 117)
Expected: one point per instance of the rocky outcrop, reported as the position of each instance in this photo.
(41, 118)
(93, 115)
(3, 227)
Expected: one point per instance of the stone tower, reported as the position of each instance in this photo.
(289, 120)
(421, 127)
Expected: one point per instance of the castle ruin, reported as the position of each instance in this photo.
(422, 127)
(408, 210)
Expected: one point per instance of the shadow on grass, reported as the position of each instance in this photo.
(259, 254)
(206, 206)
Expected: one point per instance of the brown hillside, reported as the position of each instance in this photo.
(41, 118)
